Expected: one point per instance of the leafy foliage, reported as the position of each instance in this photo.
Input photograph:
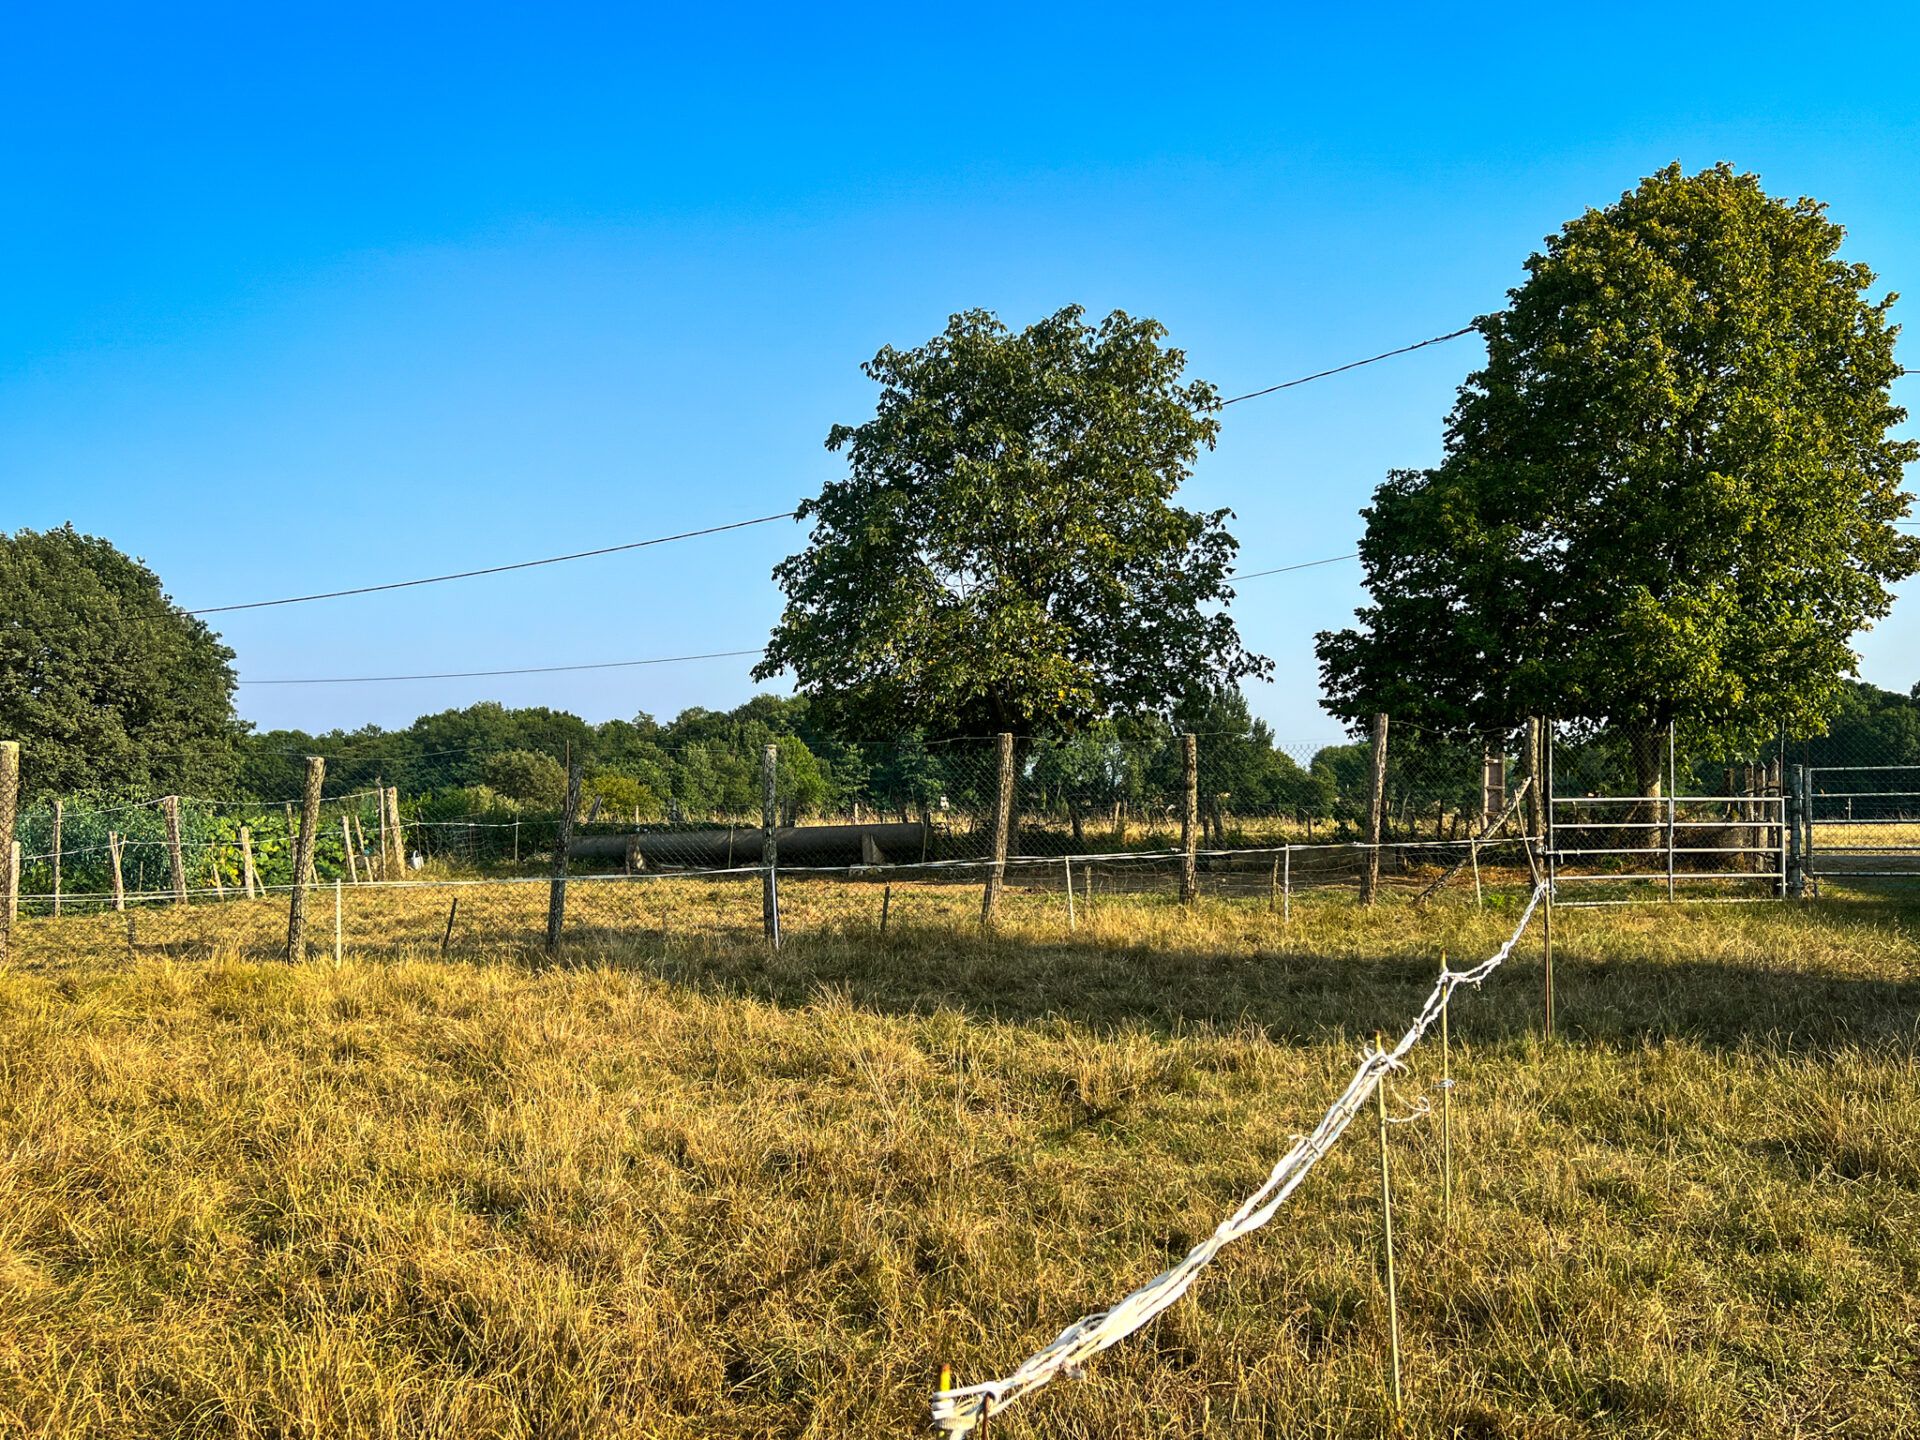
(1004, 553)
(109, 685)
(1669, 495)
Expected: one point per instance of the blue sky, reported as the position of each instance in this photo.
(305, 297)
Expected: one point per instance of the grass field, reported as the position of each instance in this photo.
(679, 1187)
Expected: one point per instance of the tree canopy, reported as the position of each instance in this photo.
(1005, 553)
(1669, 495)
(108, 684)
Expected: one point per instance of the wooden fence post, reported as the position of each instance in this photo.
(175, 862)
(346, 844)
(1189, 817)
(119, 879)
(248, 875)
(59, 816)
(380, 798)
(769, 845)
(303, 848)
(1002, 820)
(396, 831)
(1537, 774)
(9, 812)
(1376, 807)
(13, 883)
(557, 893)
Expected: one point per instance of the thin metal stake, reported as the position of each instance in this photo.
(1386, 1234)
(1286, 885)
(1474, 849)
(1067, 860)
(336, 922)
(1446, 1107)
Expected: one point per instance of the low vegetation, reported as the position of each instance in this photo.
(679, 1187)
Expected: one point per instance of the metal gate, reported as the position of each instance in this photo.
(1626, 849)
(1859, 821)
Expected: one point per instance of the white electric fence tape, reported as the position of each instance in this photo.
(958, 1411)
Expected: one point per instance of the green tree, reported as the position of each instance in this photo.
(106, 682)
(1669, 495)
(526, 777)
(1005, 553)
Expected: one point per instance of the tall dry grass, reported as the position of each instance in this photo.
(679, 1187)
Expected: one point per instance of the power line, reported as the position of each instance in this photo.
(1351, 365)
(483, 674)
(492, 569)
(1303, 565)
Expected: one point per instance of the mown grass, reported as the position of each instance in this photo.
(679, 1187)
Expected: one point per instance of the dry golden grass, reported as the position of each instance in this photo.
(679, 1187)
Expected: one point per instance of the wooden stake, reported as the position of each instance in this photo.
(447, 938)
(380, 794)
(346, 844)
(1067, 860)
(303, 859)
(213, 867)
(1273, 887)
(769, 845)
(176, 863)
(886, 904)
(248, 875)
(119, 880)
(13, 884)
(557, 892)
(397, 831)
(364, 856)
(59, 815)
(9, 812)
(336, 922)
(1473, 848)
(1002, 822)
(1376, 811)
(1189, 817)
(1286, 885)
(1386, 1240)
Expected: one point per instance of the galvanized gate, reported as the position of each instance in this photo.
(1858, 821)
(1628, 849)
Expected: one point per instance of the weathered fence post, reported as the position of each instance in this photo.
(1537, 775)
(9, 812)
(303, 848)
(176, 864)
(1796, 859)
(1189, 816)
(557, 892)
(346, 844)
(1376, 807)
(770, 844)
(397, 831)
(248, 875)
(119, 879)
(1067, 862)
(1002, 819)
(13, 882)
(380, 803)
(59, 815)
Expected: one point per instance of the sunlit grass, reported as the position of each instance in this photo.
(679, 1186)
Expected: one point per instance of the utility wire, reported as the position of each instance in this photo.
(491, 569)
(1303, 565)
(481, 674)
(1351, 365)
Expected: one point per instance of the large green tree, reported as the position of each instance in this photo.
(1669, 495)
(1005, 553)
(107, 684)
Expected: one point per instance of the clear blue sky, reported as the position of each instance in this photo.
(301, 297)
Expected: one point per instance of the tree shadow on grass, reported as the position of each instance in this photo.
(1775, 999)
